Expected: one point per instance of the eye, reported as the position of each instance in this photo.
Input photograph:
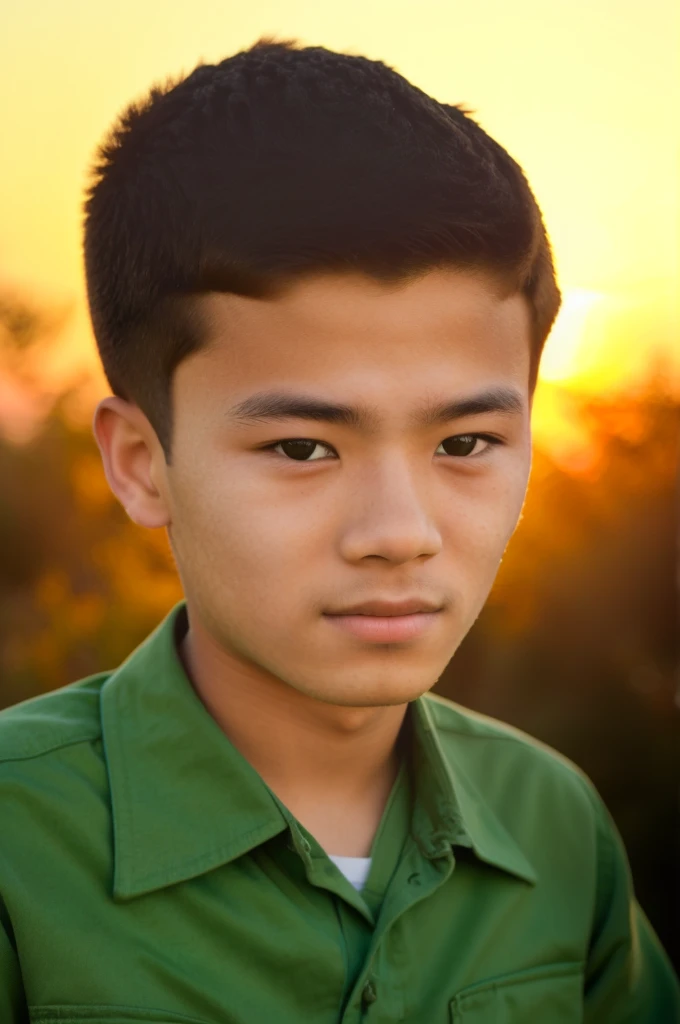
(299, 449)
(306, 449)
(462, 445)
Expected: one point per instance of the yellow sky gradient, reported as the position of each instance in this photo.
(583, 94)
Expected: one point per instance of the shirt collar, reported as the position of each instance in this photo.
(452, 802)
(185, 800)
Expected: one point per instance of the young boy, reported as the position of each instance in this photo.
(320, 298)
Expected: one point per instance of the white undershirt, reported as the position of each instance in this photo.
(355, 869)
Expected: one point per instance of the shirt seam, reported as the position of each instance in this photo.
(529, 741)
(74, 1013)
(8, 759)
(558, 759)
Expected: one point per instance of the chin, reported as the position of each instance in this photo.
(372, 693)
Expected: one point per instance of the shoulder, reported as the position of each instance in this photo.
(500, 758)
(54, 793)
(51, 722)
(541, 799)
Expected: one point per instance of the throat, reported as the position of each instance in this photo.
(347, 831)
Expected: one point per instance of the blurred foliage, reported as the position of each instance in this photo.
(577, 643)
(80, 584)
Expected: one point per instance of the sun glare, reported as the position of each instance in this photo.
(564, 347)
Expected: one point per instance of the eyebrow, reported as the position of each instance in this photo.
(279, 405)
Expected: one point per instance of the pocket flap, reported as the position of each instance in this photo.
(552, 993)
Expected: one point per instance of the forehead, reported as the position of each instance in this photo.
(348, 330)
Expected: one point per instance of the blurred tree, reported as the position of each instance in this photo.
(80, 584)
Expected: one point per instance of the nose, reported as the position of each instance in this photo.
(391, 517)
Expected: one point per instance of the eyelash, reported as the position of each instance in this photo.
(493, 441)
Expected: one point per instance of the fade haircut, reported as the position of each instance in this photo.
(282, 161)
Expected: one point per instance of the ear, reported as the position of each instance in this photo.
(134, 462)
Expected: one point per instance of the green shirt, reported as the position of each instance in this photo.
(147, 873)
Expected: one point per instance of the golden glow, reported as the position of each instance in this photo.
(583, 95)
(565, 342)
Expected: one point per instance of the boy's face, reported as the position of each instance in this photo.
(269, 547)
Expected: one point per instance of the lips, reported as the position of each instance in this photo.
(386, 629)
(386, 608)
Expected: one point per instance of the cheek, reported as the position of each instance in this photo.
(483, 516)
(244, 545)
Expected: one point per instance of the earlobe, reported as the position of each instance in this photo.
(130, 450)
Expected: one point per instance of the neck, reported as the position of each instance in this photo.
(332, 766)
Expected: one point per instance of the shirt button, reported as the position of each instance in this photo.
(369, 994)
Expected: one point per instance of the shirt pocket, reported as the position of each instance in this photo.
(552, 994)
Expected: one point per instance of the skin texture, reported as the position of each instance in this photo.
(266, 545)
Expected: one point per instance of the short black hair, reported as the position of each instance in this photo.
(279, 161)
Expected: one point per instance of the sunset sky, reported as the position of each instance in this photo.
(584, 95)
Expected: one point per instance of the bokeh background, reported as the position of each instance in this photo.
(578, 642)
